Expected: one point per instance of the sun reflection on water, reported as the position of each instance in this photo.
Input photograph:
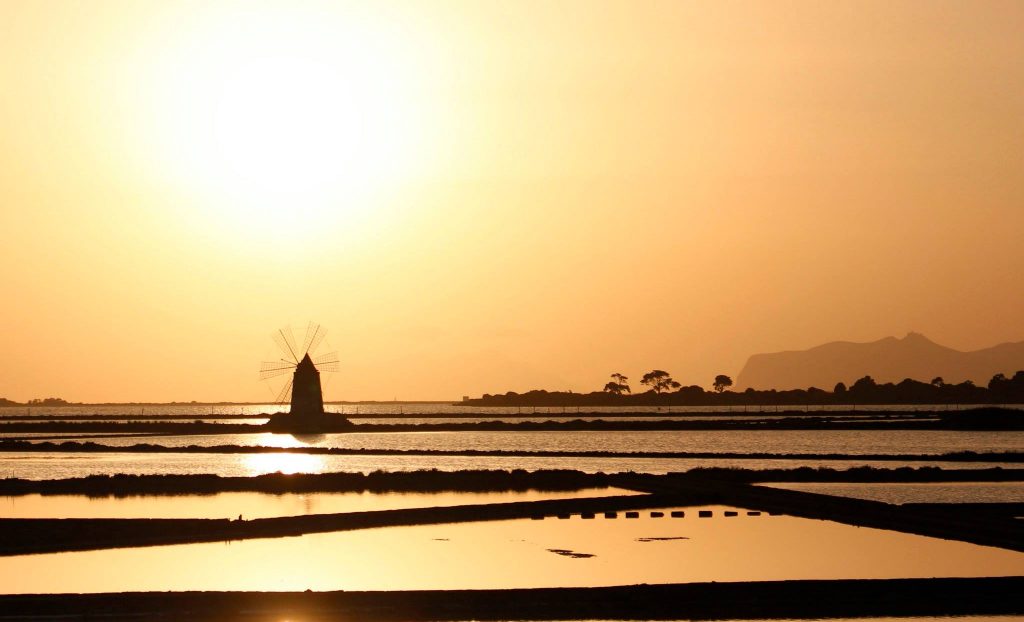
(698, 544)
(261, 464)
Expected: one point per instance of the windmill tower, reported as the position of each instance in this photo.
(307, 397)
(307, 400)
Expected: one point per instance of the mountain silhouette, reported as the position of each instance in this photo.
(887, 360)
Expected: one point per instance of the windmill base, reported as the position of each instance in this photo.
(311, 422)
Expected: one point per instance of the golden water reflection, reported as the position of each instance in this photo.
(519, 553)
(261, 505)
(260, 464)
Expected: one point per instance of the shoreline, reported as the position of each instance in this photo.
(31, 536)
(789, 411)
(77, 446)
(985, 524)
(798, 599)
(122, 485)
(808, 423)
(997, 528)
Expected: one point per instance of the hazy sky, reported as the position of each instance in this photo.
(482, 196)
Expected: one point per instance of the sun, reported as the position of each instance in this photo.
(287, 122)
(288, 119)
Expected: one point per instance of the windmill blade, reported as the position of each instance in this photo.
(327, 362)
(267, 375)
(285, 393)
(273, 369)
(314, 335)
(311, 330)
(328, 357)
(286, 341)
(331, 366)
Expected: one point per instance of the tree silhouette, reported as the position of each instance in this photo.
(1002, 389)
(863, 385)
(622, 381)
(937, 381)
(615, 388)
(659, 381)
(722, 382)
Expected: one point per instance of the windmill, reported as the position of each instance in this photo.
(307, 401)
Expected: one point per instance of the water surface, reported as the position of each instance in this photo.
(262, 505)
(62, 465)
(575, 552)
(852, 442)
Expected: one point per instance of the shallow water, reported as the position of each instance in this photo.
(899, 493)
(519, 553)
(717, 441)
(261, 505)
(61, 465)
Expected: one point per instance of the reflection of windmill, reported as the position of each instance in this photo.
(305, 366)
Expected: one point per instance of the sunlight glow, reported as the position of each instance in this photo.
(288, 464)
(285, 126)
(285, 122)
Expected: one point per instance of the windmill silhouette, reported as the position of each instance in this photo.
(307, 400)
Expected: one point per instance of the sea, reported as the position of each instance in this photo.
(565, 550)
(860, 447)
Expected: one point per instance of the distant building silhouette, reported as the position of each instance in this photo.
(306, 412)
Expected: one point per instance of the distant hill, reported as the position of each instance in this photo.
(887, 360)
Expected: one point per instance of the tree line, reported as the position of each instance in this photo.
(663, 390)
(46, 401)
(659, 381)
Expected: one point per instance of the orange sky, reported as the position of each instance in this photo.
(482, 196)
